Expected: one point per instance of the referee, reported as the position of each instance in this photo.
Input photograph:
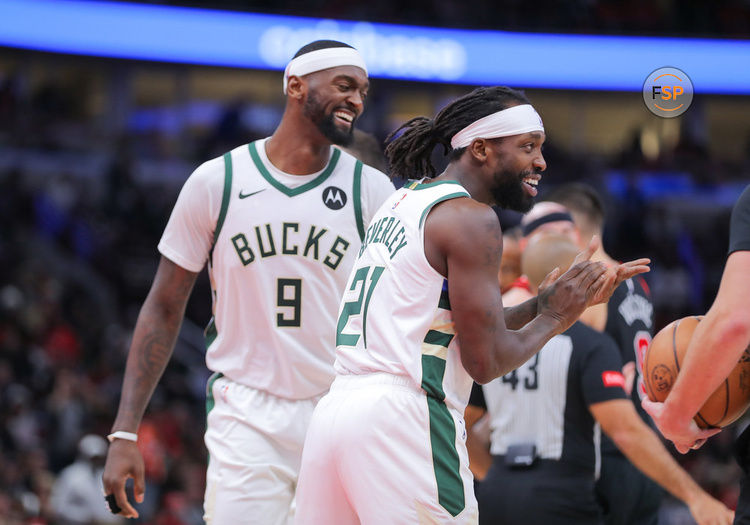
(627, 496)
(545, 420)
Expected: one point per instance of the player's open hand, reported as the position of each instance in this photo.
(683, 432)
(616, 275)
(124, 461)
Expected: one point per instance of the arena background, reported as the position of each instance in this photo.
(93, 151)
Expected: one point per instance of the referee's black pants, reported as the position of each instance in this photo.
(547, 493)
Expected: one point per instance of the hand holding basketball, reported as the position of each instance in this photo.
(685, 434)
(662, 364)
(660, 369)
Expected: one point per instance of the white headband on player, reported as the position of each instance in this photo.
(323, 59)
(511, 121)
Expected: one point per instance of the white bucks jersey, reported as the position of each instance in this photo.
(278, 266)
(395, 315)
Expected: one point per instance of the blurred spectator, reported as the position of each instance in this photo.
(367, 149)
(77, 495)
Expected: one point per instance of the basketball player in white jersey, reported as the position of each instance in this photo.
(422, 315)
(279, 222)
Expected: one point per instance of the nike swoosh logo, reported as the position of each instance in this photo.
(246, 195)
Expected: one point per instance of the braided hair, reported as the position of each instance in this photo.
(409, 153)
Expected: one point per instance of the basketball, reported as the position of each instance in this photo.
(662, 364)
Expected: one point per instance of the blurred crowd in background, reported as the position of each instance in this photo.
(728, 18)
(78, 252)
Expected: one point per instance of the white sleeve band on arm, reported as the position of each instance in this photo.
(121, 434)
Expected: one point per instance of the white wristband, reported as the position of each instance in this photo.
(121, 434)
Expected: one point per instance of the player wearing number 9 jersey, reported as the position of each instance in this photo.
(279, 264)
(279, 222)
(277, 270)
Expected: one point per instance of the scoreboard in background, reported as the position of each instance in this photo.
(259, 41)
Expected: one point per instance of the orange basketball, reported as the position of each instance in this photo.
(662, 364)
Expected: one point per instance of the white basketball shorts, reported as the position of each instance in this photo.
(254, 442)
(378, 451)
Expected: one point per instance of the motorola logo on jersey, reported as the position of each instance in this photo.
(334, 197)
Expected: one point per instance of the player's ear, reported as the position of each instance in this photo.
(296, 87)
(478, 149)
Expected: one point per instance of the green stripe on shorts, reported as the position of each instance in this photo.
(445, 457)
(442, 438)
(210, 402)
(210, 333)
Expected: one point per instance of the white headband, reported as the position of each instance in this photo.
(511, 121)
(323, 59)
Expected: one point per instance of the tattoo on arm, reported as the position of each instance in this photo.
(153, 341)
(156, 349)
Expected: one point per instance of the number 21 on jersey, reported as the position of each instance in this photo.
(365, 280)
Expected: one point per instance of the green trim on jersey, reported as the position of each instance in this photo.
(435, 337)
(291, 192)
(434, 350)
(224, 196)
(357, 190)
(416, 185)
(210, 333)
(445, 302)
(441, 199)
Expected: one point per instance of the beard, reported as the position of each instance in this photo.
(509, 192)
(325, 122)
